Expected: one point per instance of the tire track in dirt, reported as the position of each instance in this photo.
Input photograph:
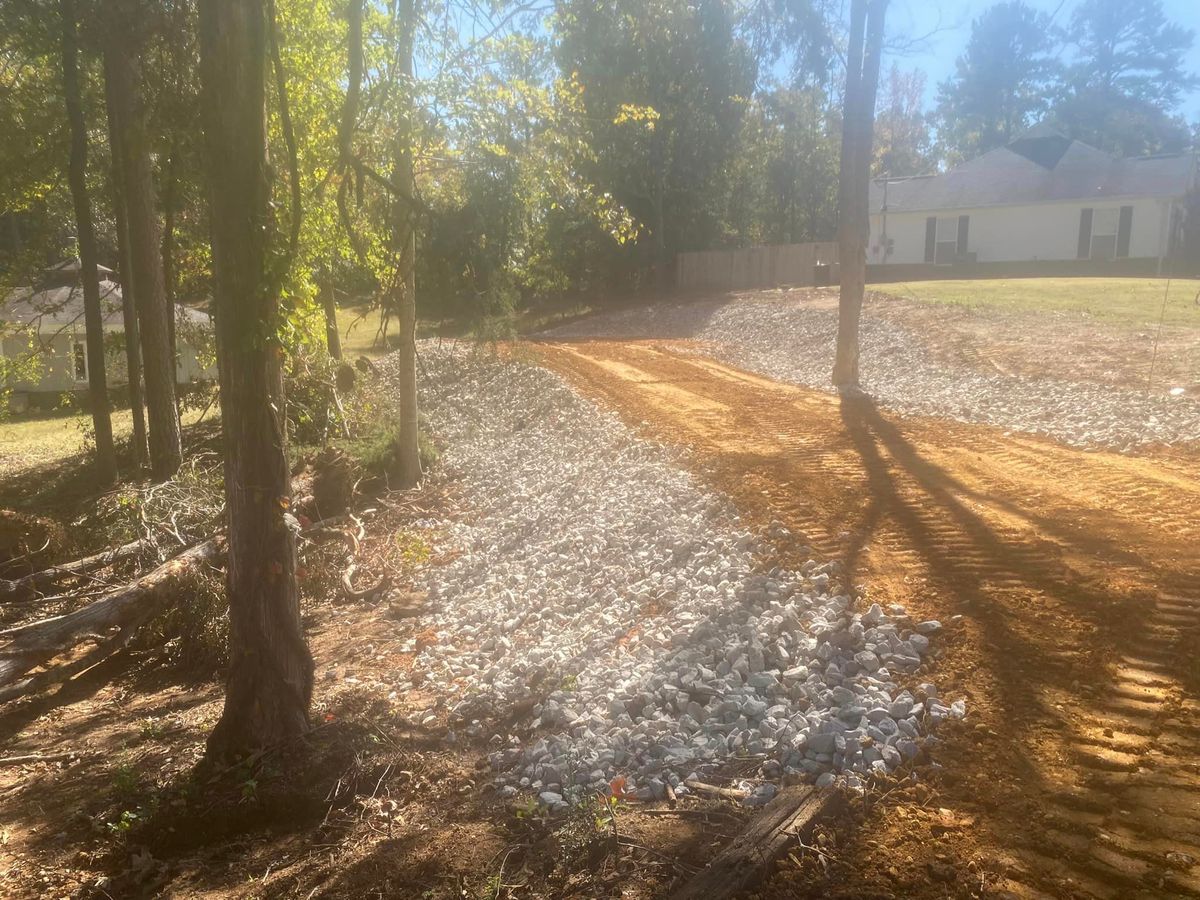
(1076, 577)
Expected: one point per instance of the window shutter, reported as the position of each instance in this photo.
(963, 223)
(1085, 234)
(930, 237)
(1124, 230)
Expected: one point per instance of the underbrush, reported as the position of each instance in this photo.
(377, 448)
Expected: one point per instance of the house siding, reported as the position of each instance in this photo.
(58, 364)
(1026, 233)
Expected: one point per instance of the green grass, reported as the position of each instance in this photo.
(359, 324)
(1128, 301)
(33, 440)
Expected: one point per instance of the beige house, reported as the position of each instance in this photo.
(47, 322)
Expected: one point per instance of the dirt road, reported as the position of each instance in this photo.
(1069, 583)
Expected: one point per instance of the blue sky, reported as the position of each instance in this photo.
(953, 19)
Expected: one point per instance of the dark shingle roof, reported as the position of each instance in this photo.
(1040, 167)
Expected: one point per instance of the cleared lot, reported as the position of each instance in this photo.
(1067, 579)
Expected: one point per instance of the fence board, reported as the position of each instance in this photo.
(750, 268)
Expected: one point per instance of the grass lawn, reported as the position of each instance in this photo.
(359, 324)
(34, 441)
(1130, 301)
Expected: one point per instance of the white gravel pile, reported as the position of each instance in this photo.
(609, 604)
(785, 340)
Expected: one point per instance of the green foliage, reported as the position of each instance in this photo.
(377, 449)
(1126, 79)
(902, 139)
(1001, 82)
(662, 88)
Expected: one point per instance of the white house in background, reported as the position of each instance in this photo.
(48, 319)
(1042, 204)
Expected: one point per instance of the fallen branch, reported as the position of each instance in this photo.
(727, 793)
(127, 608)
(364, 593)
(28, 586)
(59, 674)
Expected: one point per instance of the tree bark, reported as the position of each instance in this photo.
(333, 338)
(168, 261)
(858, 120)
(133, 348)
(270, 678)
(144, 249)
(405, 238)
(106, 454)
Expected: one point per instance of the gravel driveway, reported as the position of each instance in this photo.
(786, 340)
(615, 610)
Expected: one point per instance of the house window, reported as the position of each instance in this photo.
(79, 360)
(1104, 233)
(947, 240)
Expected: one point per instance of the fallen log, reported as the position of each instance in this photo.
(747, 859)
(28, 586)
(126, 608)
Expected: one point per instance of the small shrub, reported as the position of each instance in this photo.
(377, 450)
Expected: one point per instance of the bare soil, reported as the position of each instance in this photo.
(1068, 582)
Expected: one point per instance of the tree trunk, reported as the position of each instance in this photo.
(270, 678)
(146, 259)
(106, 455)
(168, 260)
(858, 119)
(333, 338)
(133, 348)
(405, 237)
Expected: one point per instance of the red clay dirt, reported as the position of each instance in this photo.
(1068, 581)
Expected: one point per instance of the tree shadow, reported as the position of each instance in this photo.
(967, 555)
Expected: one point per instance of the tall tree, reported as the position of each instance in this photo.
(404, 232)
(106, 455)
(862, 80)
(901, 130)
(1127, 77)
(270, 676)
(141, 218)
(1000, 84)
(133, 347)
(660, 86)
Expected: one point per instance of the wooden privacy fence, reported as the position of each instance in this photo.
(753, 267)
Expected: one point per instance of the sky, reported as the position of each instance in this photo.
(950, 22)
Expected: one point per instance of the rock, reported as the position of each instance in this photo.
(540, 617)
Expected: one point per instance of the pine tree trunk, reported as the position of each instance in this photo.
(149, 293)
(106, 455)
(133, 348)
(862, 79)
(405, 236)
(270, 678)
